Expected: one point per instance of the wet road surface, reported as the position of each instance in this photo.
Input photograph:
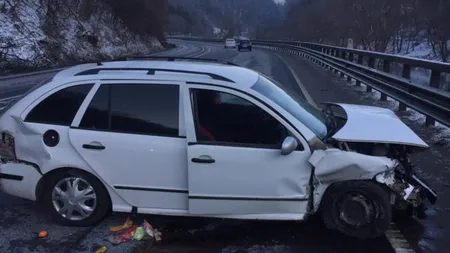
(21, 219)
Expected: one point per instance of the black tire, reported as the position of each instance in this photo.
(103, 200)
(250, 49)
(370, 220)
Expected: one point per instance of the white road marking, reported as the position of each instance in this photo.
(299, 83)
(398, 241)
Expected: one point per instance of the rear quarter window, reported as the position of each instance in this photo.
(60, 107)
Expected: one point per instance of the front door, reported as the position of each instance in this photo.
(235, 165)
(130, 135)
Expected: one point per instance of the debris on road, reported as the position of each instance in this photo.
(42, 234)
(123, 237)
(134, 232)
(102, 249)
(127, 224)
(138, 234)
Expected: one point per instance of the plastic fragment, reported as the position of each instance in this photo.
(158, 235)
(138, 234)
(127, 224)
(124, 236)
(148, 228)
(42, 234)
(102, 249)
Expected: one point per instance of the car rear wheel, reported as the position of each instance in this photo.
(357, 208)
(76, 198)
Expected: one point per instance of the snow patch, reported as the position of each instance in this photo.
(30, 39)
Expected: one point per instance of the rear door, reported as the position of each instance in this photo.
(234, 159)
(131, 135)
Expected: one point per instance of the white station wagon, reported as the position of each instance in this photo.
(210, 139)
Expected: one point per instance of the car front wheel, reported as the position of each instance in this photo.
(357, 208)
(76, 198)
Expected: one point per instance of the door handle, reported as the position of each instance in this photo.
(94, 145)
(203, 159)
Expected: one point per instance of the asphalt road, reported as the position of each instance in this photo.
(21, 219)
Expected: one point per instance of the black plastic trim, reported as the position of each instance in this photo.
(11, 177)
(247, 198)
(132, 188)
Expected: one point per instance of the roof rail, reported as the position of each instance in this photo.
(174, 58)
(151, 71)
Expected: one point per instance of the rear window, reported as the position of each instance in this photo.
(60, 107)
(230, 40)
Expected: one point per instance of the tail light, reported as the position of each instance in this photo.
(7, 147)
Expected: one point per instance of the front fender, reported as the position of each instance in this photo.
(335, 165)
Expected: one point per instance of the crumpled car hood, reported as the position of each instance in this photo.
(376, 125)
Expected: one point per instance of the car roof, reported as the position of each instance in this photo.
(234, 76)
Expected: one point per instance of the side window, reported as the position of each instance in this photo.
(60, 107)
(240, 122)
(97, 114)
(134, 108)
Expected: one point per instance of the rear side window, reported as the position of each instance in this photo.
(60, 107)
(134, 108)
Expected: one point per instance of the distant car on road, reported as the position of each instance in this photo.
(180, 138)
(245, 44)
(230, 43)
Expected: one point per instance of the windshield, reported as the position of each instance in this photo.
(304, 112)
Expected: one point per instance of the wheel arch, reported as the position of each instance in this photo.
(325, 189)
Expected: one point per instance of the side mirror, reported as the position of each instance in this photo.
(289, 145)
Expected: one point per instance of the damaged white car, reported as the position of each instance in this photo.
(205, 139)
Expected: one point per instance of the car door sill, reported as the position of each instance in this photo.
(263, 216)
(248, 198)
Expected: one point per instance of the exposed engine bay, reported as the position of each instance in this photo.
(408, 191)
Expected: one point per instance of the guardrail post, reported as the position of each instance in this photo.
(387, 69)
(429, 121)
(406, 73)
(435, 78)
(350, 59)
(359, 60)
(370, 64)
(343, 54)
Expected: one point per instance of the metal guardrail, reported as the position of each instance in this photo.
(359, 65)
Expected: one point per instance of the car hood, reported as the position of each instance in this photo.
(375, 125)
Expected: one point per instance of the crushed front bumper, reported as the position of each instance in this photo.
(408, 192)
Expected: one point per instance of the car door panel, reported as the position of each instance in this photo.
(243, 179)
(247, 181)
(147, 170)
(142, 169)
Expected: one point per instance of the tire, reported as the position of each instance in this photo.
(366, 201)
(250, 49)
(101, 206)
